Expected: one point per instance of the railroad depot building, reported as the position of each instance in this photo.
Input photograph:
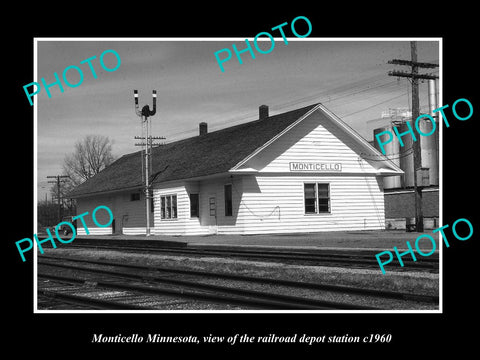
(300, 171)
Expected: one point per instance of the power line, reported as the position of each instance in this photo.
(342, 91)
(372, 106)
(323, 96)
(382, 157)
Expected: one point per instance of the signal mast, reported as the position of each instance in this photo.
(144, 115)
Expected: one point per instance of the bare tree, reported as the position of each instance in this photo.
(91, 155)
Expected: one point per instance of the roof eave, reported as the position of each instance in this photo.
(292, 125)
(357, 137)
(101, 192)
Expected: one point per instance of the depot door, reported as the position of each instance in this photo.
(212, 214)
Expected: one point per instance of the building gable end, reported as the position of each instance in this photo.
(317, 143)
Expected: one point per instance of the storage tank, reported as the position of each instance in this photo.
(429, 150)
(406, 156)
(392, 152)
(430, 144)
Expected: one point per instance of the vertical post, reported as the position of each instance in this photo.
(59, 196)
(417, 155)
(58, 199)
(144, 115)
(147, 187)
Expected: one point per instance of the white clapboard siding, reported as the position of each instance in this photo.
(94, 230)
(141, 230)
(315, 139)
(129, 215)
(275, 204)
(183, 224)
(279, 206)
(204, 224)
(89, 204)
(272, 200)
(193, 225)
(171, 226)
(221, 224)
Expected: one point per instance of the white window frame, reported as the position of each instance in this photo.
(163, 214)
(316, 213)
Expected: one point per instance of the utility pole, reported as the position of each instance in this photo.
(414, 76)
(148, 142)
(59, 196)
(144, 115)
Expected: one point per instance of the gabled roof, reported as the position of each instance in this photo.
(382, 164)
(213, 153)
(217, 152)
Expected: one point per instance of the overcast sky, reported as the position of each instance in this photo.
(348, 77)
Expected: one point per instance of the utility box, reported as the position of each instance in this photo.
(423, 177)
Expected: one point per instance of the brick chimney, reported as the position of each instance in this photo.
(202, 128)
(263, 112)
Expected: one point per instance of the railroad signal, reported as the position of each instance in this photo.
(145, 112)
(144, 115)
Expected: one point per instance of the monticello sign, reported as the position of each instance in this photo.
(314, 166)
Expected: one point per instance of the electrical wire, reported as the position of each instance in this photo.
(377, 211)
(383, 157)
(334, 94)
(371, 106)
(324, 96)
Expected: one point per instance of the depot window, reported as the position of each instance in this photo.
(168, 206)
(317, 198)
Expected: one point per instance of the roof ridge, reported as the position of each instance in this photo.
(212, 153)
(229, 128)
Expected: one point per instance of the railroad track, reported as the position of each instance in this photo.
(65, 301)
(346, 258)
(217, 288)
